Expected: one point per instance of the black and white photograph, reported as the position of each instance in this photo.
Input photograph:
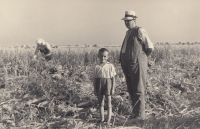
(99, 64)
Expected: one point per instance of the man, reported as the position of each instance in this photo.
(135, 49)
(44, 48)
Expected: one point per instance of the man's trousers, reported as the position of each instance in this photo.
(136, 78)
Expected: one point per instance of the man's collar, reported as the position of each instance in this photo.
(133, 28)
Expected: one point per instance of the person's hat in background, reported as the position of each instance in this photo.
(130, 15)
(40, 41)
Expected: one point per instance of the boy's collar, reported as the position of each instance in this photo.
(105, 63)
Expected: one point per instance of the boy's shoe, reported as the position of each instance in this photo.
(131, 116)
(139, 118)
(2, 86)
(136, 117)
(108, 124)
(100, 121)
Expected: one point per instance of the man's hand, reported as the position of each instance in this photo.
(150, 63)
(148, 51)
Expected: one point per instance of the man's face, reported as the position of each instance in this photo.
(130, 23)
(103, 57)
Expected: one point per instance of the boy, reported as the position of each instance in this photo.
(104, 83)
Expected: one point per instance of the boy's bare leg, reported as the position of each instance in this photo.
(109, 105)
(101, 98)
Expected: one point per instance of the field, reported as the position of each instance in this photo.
(59, 93)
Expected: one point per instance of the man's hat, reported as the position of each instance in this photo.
(130, 15)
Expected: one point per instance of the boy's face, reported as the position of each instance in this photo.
(103, 57)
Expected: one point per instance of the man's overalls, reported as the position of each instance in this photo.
(134, 65)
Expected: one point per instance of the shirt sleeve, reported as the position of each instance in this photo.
(112, 71)
(142, 34)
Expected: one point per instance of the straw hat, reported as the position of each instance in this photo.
(130, 15)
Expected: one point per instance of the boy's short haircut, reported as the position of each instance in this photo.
(103, 50)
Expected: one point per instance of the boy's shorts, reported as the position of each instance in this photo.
(104, 86)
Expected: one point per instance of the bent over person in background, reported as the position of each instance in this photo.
(135, 49)
(44, 48)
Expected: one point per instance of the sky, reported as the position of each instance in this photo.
(67, 22)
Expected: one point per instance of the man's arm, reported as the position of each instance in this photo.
(142, 34)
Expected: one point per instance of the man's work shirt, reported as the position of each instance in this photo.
(142, 34)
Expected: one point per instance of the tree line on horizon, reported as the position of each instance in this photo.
(179, 43)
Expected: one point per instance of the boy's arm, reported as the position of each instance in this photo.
(94, 84)
(113, 85)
